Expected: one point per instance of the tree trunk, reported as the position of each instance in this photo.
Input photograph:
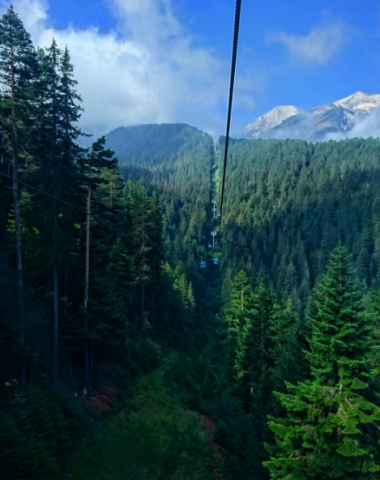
(20, 281)
(154, 295)
(56, 326)
(56, 300)
(87, 381)
(48, 345)
(135, 312)
(70, 372)
(66, 286)
(92, 353)
(69, 367)
(143, 327)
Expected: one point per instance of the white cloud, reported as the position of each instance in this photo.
(365, 126)
(146, 70)
(317, 47)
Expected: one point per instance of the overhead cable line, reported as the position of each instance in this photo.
(2, 162)
(43, 193)
(230, 99)
(95, 216)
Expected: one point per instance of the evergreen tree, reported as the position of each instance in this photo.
(253, 360)
(332, 423)
(92, 164)
(253, 367)
(239, 308)
(156, 253)
(17, 70)
(285, 353)
(57, 154)
(141, 228)
(110, 301)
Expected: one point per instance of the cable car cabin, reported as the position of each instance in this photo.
(203, 264)
(216, 261)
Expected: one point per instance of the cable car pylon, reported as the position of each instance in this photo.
(214, 233)
(214, 208)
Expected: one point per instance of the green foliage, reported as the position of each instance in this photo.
(253, 348)
(263, 338)
(135, 304)
(286, 352)
(154, 438)
(331, 427)
(40, 429)
(17, 55)
(239, 308)
(289, 203)
(175, 160)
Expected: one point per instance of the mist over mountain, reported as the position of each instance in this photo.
(354, 116)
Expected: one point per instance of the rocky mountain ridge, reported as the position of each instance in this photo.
(334, 120)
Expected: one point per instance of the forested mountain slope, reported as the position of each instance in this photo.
(178, 162)
(117, 350)
(289, 202)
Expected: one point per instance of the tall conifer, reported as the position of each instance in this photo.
(92, 164)
(331, 429)
(17, 71)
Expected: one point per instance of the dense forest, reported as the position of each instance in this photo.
(120, 357)
(290, 202)
(176, 161)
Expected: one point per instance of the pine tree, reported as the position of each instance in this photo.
(374, 309)
(110, 300)
(56, 153)
(285, 353)
(331, 426)
(251, 321)
(17, 72)
(111, 193)
(120, 270)
(253, 360)
(156, 253)
(191, 298)
(92, 164)
(141, 229)
(239, 308)
(70, 107)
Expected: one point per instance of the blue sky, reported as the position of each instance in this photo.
(143, 61)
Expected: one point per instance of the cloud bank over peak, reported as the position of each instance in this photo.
(146, 70)
(357, 115)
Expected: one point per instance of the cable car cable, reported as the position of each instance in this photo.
(110, 210)
(95, 216)
(43, 193)
(231, 94)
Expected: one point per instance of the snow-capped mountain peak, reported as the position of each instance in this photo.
(360, 102)
(270, 120)
(332, 120)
